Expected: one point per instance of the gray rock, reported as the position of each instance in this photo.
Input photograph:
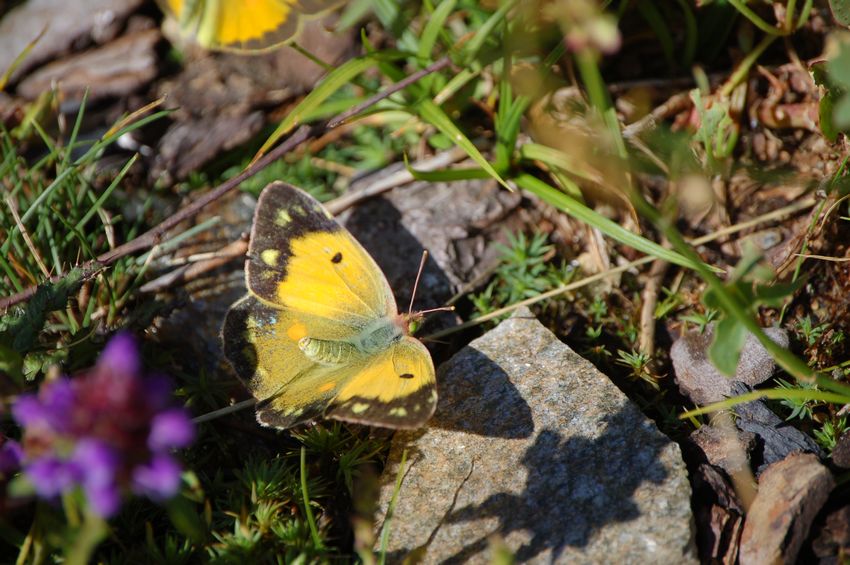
(791, 493)
(531, 446)
(459, 223)
(700, 381)
(67, 22)
(776, 438)
(116, 69)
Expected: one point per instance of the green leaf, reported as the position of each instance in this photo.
(826, 111)
(775, 295)
(334, 80)
(838, 67)
(435, 116)
(725, 350)
(841, 113)
(434, 27)
(22, 330)
(840, 11)
(186, 519)
(589, 216)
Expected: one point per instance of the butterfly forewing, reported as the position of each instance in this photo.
(301, 258)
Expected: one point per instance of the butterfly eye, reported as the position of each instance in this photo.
(406, 375)
(336, 258)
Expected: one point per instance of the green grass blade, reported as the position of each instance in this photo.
(385, 529)
(434, 27)
(311, 520)
(106, 193)
(557, 159)
(75, 131)
(435, 116)
(335, 80)
(656, 22)
(610, 228)
(447, 175)
(474, 45)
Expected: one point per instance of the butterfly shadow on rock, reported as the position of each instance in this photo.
(574, 487)
(377, 225)
(477, 397)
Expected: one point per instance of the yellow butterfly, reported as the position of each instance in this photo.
(319, 333)
(244, 25)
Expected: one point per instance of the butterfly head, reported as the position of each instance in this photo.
(410, 322)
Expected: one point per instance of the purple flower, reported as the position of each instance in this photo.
(52, 476)
(159, 479)
(50, 409)
(11, 455)
(100, 461)
(108, 432)
(105, 500)
(170, 429)
(120, 356)
(28, 411)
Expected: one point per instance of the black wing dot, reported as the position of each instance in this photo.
(336, 258)
(406, 375)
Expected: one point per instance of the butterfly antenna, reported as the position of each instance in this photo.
(416, 284)
(440, 309)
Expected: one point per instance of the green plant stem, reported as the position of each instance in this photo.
(92, 532)
(771, 393)
(788, 25)
(732, 304)
(745, 65)
(804, 14)
(755, 19)
(597, 92)
(311, 520)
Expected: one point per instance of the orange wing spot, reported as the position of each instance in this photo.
(296, 331)
(327, 387)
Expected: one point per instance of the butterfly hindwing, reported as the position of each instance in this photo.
(241, 25)
(396, 389)
(261, 343)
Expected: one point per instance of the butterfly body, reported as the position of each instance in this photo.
(372, 339)
(319, 333)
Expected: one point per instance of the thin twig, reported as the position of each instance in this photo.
(153, 236)
(13, 208)
(403, 83)
(649, 295)
(192, 270)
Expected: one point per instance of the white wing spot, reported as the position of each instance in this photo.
(270, 257)
(283, 218)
